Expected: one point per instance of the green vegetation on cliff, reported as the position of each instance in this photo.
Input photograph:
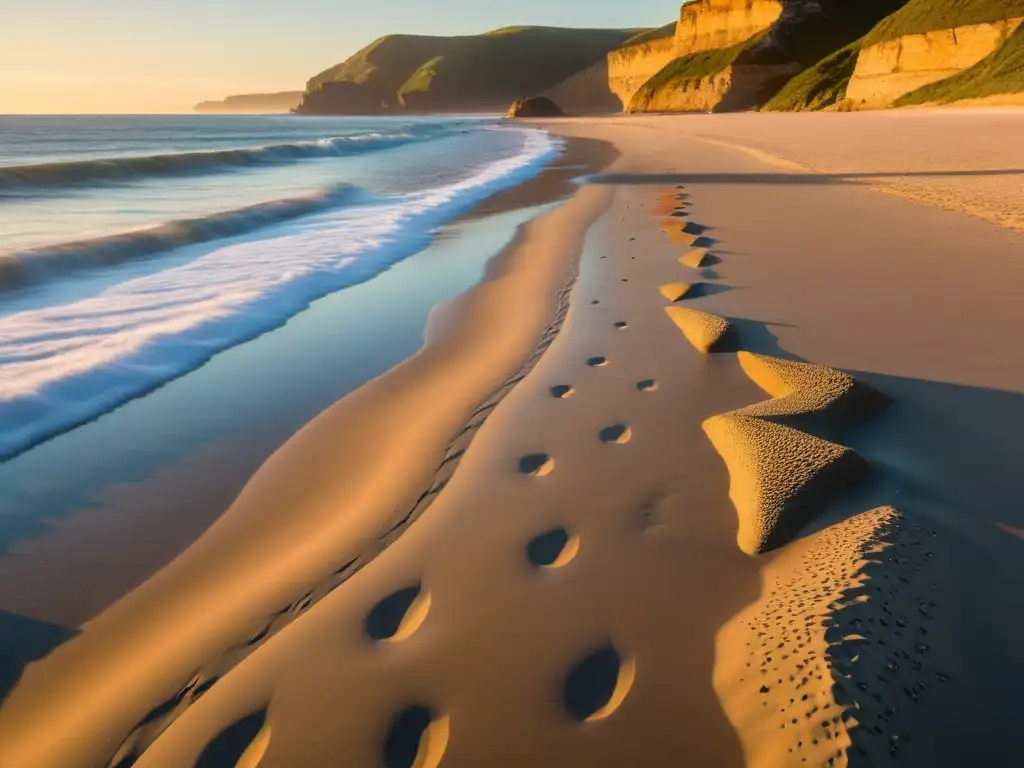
(806, 37)
(684, 73)
(489, 71)
(999, 73)
(824, 84)
(821, 86)
(919, 16)
(813, 39)
(384, 64)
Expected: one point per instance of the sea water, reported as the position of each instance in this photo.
(134, 249)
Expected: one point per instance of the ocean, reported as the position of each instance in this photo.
(133, 249)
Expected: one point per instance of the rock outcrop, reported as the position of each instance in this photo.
(888, 70)
(535, 106)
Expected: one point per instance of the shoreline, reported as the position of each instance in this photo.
(444, 338)
(108, 503)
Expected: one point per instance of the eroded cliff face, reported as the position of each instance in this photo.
(710, 24)
(735, 88)
(891, 69)
(703, 26)
(629, 68)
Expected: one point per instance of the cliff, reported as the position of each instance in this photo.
(925, 51)
(928, 42)
(996, 79)
(254, 103)
(709, 24)
(736, 54)
(486, 72)
(630, 67)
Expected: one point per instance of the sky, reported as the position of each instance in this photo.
(135, 56)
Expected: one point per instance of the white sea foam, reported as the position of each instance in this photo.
(62, 365)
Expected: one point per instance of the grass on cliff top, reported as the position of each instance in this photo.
(391, 59)
(919, 16)
(1000, 72)
(821, 86)
(488, 69)
(685, 71)
(650, 35)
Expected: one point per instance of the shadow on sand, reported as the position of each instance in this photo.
(22, 641)
(810, 177)
(947, 456)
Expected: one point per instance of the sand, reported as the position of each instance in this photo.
(519, 547)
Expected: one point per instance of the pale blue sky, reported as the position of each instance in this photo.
(165, 55)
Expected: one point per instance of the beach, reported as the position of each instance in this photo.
(715, 461)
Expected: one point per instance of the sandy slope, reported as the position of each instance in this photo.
(576, 594)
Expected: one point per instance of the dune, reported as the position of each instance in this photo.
(821, 639)
(702, 329)
(779, 474)
(780, 477)
(560, 584)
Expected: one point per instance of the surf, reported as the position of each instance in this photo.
(61, 366)
(56, 175)
(40, 265)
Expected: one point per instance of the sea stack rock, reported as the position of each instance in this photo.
(535, 106)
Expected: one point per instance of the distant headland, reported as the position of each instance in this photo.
(253, 103)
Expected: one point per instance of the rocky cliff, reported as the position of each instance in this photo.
(704, 25)
(888, 70)
(629, 68)
(708, 24)
(735, 54)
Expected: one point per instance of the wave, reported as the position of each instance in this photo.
(38, 265)
(61, 366)
(122, 169)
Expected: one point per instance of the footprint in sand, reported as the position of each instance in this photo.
(417, 738)
(552, 549)
(398, 615)
(562, 391)
(622, 325)
(616, 433)
(647, 385)
(597, 361)
(536, 464)
(597, 685)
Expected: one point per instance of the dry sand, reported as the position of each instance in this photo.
(576, 593)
